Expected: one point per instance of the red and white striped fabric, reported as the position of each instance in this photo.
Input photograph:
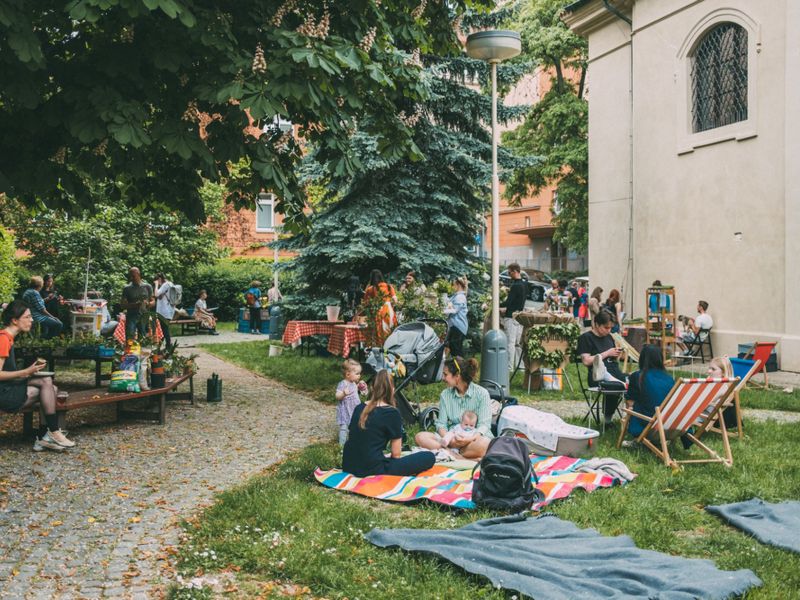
(297, 330)
(690, 398)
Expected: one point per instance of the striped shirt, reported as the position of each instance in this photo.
(33, 299)
(452, 406)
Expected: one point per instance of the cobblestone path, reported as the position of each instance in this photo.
(102, 520)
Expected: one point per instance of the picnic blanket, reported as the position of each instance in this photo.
(774, 524)
(558, 477)
(550, 559)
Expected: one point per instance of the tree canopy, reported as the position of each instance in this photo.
(556, 129)
(120, 91)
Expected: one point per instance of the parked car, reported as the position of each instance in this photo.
(536, 289)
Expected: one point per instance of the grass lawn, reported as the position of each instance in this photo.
(283, 534)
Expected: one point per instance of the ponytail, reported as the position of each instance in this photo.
(467, 369)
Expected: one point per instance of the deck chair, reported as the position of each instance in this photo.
(761, 351)
(744, 369)
(682, 410)
(630, 355)
(595, 397)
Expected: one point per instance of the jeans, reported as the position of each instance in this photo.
(50, 327)
(134, 322)
(411, 464)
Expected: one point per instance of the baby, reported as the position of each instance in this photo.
(469, 420)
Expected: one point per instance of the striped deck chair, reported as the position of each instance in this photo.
(681, 410)
(761, 351)
(744, 369)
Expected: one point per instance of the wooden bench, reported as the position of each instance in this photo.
(98, 396)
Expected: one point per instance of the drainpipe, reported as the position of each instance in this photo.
(629, 268)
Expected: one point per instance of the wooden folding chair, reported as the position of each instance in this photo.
(744, 369)
(761, 351)
(681, 410)
(630, 355)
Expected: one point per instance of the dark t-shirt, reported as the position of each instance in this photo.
(516, 297)
(589, 343)
(137, 293)
(363, 451)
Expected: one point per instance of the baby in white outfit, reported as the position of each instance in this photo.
(469, 420)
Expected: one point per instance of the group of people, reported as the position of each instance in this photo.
(253, 299)
(574, 298)
(463, 426)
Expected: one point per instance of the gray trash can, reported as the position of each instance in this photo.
(275, 323)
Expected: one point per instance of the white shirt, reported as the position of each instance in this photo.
(704, 321)
(200, 304)
(163, 307)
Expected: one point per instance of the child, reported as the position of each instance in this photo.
(469, 420)
(347, 396)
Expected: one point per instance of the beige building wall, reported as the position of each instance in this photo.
(717, 214)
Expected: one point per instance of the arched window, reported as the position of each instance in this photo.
(719, 78)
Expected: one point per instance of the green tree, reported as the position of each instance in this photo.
(401, 214)
(121, 90)
(556, 129)
(59, 243)
(8, 267)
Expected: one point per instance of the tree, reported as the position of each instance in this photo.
(8, 267)
(401, 214)
(154, 95)
(59, 243)
(556, 130)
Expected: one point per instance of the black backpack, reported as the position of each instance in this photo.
(504, 483)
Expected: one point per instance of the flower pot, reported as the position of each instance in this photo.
(275, 350)
(333, 313)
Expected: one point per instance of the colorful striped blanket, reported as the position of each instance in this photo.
(443, 485)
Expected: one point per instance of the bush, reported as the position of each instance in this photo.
(226, 281)
(8, 267)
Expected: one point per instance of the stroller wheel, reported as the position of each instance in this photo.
(427, 418)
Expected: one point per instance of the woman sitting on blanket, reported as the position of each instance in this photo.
(461, 395)
(373, 426)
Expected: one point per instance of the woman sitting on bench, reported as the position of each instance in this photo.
(203, 315)
(19, 390)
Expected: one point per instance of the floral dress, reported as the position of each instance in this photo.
(386, 319)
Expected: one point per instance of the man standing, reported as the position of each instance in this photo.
(164, 308)
(253, 299)
(514, 303)
(137, 297)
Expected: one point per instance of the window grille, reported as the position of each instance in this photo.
(719, 78)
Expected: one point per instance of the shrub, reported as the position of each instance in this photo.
(226, 280)
(8, 267)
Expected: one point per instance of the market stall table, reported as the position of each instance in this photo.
(345, 337)
(297, 330)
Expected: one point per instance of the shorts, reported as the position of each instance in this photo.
(13, 395)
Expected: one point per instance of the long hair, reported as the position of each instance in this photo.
(613, 297)
(650, 358)
(375, 277)
(597, 293)
(724, 364)
(382, 391)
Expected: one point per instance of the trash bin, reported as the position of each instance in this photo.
(244, 320)
(275, 323)
(214, 388)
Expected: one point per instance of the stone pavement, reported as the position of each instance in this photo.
(101, 520)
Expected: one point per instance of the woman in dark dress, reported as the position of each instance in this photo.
(18, 389)
(373, 426)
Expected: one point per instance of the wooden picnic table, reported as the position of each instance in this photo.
(345, 337)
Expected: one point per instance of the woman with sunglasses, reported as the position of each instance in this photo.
(462, 394)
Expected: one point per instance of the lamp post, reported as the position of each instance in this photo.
(494, 46)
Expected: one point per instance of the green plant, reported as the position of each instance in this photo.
(538, 335)
(8, 266)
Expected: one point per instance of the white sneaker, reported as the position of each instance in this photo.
(59, 438)
(598, 369)
(41, 444)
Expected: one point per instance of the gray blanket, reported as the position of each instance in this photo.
(775, 524)
(547, 558)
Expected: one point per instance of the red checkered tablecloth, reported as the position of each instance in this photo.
(297, 330)
(344, 337)
(119, 332)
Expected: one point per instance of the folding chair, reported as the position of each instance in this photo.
(681, 410)
(595, 397)
(761, 351)
(695, 347)
(744, 369)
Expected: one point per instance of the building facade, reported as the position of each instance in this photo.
(694, 138)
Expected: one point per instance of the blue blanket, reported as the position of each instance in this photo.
(550, 559)
(775, 524)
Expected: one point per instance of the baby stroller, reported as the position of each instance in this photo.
(421, 352)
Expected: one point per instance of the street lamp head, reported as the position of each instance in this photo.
(494, 45)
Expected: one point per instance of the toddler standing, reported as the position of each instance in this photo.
(347, 396)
